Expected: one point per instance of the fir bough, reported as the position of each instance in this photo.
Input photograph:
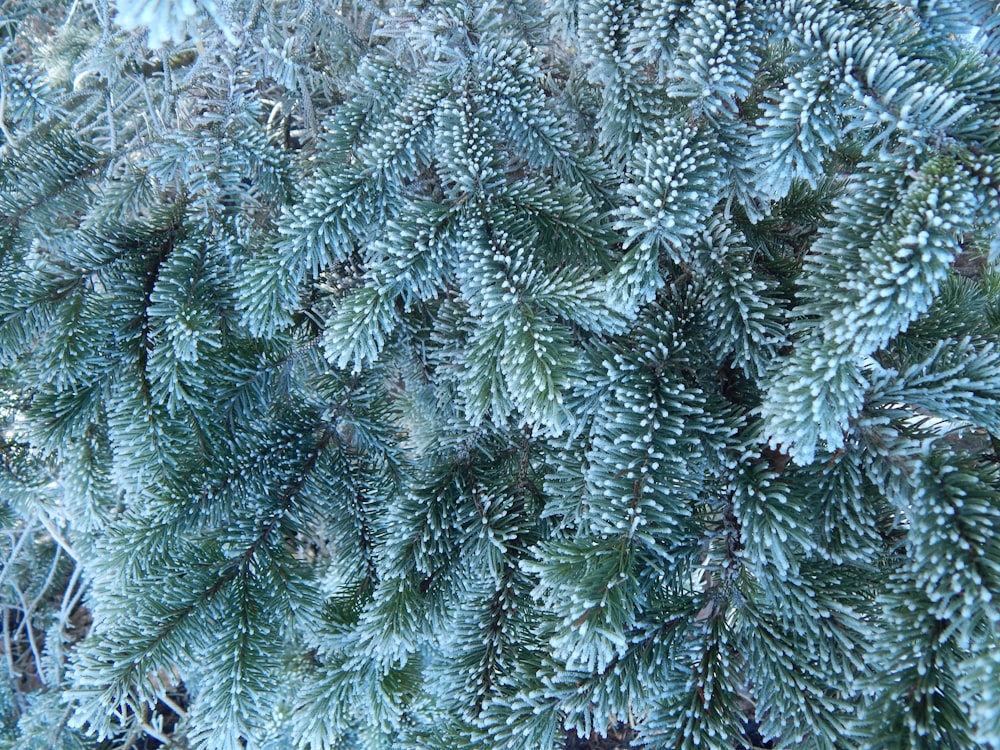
(526, 375)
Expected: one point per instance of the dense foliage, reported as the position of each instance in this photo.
(477, 374)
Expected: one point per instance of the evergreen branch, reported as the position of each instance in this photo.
(154, 264)
(656, 396)
(287, 496)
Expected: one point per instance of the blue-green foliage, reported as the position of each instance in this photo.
(460, 374)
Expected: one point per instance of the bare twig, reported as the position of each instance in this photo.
(8, 645)
(57, 536)
(148, 729)
(30, 632)
(53, 569)
(172, 704)
(69, 16)
(71, 595)
(28, 530)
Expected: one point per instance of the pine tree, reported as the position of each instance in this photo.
(523, 375)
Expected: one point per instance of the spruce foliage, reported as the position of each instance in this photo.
(467, 373)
